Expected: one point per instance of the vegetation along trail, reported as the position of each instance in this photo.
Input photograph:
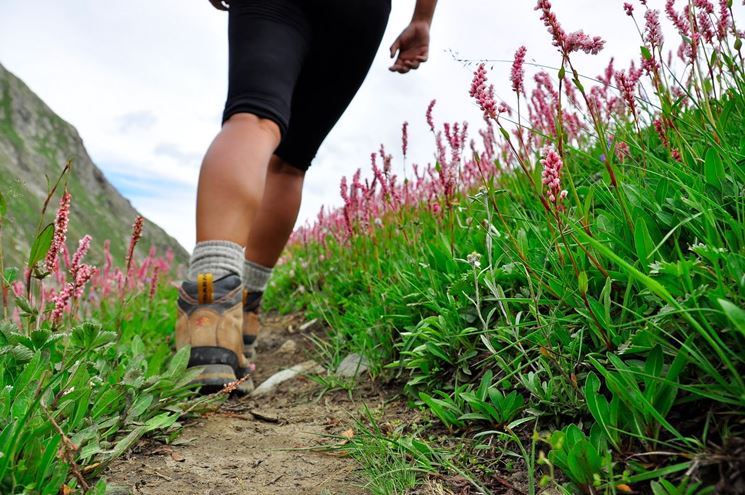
(554, 305)
(284, 442)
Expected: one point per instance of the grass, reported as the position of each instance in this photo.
(79, 389)
(597, 334)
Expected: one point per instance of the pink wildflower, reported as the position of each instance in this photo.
(82, 276)
(344, 190)
(551, 175)
(136, 235)
(154, 283)
(479, 79)
(628, 83)
(724, 19)
(18, 288)
(653, 30)
(518, 72)
(579, 41)
(60, 302)
(567, 43)
(83, 246)
(706, 27)
(705, 5)
(660, 129)
(622, 151)
(679, 21)
(405, 138)
(484, 95)
(430, 120)
(628, 8)
(61, 222)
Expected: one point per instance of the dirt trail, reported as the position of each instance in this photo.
(256, 446)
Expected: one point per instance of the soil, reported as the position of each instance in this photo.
(270, 445)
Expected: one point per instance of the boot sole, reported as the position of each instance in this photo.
(214, 377)
(219, 367)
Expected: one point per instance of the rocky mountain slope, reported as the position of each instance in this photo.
(35, 144)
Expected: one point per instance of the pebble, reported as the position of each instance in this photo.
(288, 347)
(276, 379)
(353, 365)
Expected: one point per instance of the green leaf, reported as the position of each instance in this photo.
(583, 462)
(600, 409)
(734, 314)
(49, 456)
(178, 362)
(41, 245)
(646, 53)
(3, 206)
(714, 168)
(161, 421)
(583, 282)
(107, 401)
(10, 275)
(140, 406)
(125, 443)
(25, 306)
(643, 242)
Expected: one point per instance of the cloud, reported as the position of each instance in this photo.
(177, 153)
(141, 121)
(144, 83)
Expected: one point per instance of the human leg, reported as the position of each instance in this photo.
(266, 240)
(268, 42)
(231, 181)
(351, 30)
(277, 213)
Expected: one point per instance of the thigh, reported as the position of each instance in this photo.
(346, 36)
(268, 44)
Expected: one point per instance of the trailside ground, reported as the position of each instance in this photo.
(270, 445)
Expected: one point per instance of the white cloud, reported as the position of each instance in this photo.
(144, 82)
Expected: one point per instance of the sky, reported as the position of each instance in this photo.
(144, 83)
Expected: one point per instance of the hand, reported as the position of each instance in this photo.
(412, 46)
(220, 4)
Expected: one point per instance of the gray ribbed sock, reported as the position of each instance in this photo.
(255, 276)
(216, 257)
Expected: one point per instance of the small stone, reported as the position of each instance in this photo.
(305, 326)
(273, 381)
(353, 365)
(288, 347)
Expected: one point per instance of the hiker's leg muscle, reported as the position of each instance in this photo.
(277, 213)
(231, 181)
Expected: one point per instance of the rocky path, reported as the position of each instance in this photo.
(268, 445)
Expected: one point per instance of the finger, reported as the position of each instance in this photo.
(399, 67)
(395, 46)
(218, 4)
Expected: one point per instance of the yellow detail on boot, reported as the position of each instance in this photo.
(205, 292)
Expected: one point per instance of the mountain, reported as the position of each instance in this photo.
(35, 145)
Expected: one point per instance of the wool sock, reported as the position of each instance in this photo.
(255, 276)
(217, 257)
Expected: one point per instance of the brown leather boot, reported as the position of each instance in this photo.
(209, 320)
(251, 323)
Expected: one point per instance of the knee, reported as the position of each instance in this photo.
(253, 123)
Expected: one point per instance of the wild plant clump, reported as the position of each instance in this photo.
(570, 282)
(85, 361)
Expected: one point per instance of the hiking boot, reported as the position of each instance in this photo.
(251, 323)
(209, 320)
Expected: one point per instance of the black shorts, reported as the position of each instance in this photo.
(300, 63)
